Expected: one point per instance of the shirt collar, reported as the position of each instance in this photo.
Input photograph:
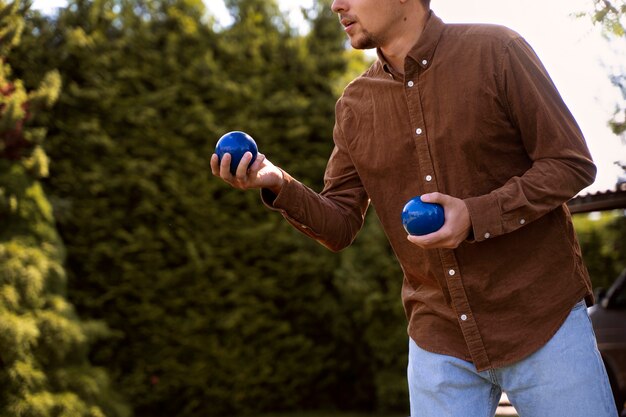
(423, 51)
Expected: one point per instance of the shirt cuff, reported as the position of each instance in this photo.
(268, 198)
(286, 199)
(289, 202)
(485, 216)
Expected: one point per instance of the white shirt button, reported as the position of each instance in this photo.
(463, 317)
(424, 62)
(429, 178)
(487, 235)
(451, 272)
(523, 221)
(410, 83)
(418, 131)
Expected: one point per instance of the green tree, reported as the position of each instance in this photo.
(166, 254)
(130, 187)
(219, 306)
(370, 279)
(44, 346)
(602, 241)
(602, 244)
(611, 16)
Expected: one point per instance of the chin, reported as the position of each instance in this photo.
(362, 43)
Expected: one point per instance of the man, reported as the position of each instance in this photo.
(466, 116)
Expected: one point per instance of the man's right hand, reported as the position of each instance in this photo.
(261, 174)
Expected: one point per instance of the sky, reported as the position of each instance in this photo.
(574, 52)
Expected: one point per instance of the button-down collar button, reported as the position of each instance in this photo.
(429, 178)
(487, 235)
(418, 131)
(424, 62)
(410, 83)
(463, 317)
(451, 272)
(523, 221)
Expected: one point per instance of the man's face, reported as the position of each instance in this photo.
(368, 23)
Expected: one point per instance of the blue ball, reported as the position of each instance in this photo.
(236, 144)
(419, 218)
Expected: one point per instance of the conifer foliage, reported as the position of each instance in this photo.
(219, 307)
(215, 305)
(611, 16)
(44, 367)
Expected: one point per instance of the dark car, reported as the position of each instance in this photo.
(608, 316)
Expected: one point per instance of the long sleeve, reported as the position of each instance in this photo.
(334, 216)
(561, 162)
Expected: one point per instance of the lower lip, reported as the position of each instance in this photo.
(349, 27)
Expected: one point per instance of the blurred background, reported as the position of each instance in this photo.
(133, 283)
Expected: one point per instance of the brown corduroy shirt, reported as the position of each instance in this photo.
(477, 117)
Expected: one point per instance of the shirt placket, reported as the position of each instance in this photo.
(453, 276)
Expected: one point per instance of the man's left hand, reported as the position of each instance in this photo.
(455, 229)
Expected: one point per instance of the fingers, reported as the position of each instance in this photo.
(445, 238)
(243, 175)
(215, 167)
(225, 168)
(242, 168)
(455, 228)
(438, 198)
(260, 174)
(441, 239)
(258, 163)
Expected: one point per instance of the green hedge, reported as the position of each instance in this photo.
(217, 305)
(44, 345)
(602, 238)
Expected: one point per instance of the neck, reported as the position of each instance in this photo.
(409, 32)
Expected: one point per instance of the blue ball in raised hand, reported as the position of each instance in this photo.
(236, 144)
(419, 218)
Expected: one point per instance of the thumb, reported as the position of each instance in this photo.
(433, 198)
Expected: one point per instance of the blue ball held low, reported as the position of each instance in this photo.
(236, 144)
(419, 218)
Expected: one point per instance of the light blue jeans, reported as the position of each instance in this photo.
(565, 378)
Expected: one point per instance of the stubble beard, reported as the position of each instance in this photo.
(366, 40)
